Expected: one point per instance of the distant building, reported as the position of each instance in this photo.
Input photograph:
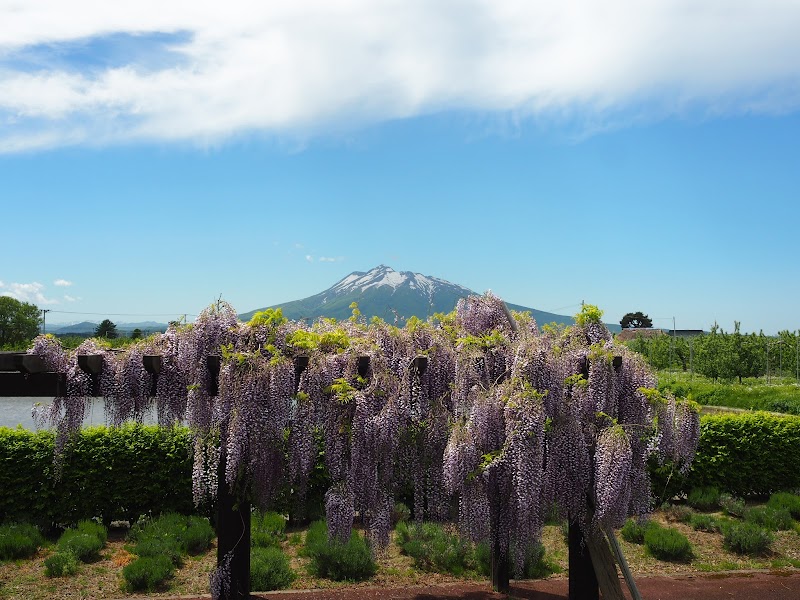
(632, 333)
(684, 332)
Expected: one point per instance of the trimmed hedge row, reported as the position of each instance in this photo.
(747, 454)
(120, 474)
(113, 474)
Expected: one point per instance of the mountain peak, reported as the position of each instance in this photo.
(385, 276)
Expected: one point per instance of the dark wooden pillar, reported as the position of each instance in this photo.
(582, 579)
(233, 513)
(233, 533)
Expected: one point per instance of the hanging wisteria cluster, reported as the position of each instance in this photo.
(475, 409)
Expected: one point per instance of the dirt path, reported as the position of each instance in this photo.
(775, 585)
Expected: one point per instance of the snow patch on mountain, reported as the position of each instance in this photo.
(386, 276)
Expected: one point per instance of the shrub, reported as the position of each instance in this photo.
(731, 505)
(773, 519)
(747, 538)
(400, 513)
(95, 529)
(790, 502)
(667, 544)
(145, 573)
(267, 529)
(269, 570)
(341, 562)
(434, 549)
(707, 523)
(171, 534)
(634, 529)
(537, 565)
(84, 546)
(677, 513)
(19, 540)
(61, 564)
(704, 498)
(159, 546)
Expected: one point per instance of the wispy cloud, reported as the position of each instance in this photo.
(204, 71)
(62, 283)
(331, 258)
(309, 258)
(69, 298)
(28, 292)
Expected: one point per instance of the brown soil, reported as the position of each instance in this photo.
(713, 573)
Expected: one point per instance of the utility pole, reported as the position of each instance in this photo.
(44, 319)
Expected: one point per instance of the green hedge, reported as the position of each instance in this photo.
(743, 454)
(749, 454)
(120, 474)
(113, 474)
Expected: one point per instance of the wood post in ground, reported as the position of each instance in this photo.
(582, 579)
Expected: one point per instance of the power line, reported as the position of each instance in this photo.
(73, 312)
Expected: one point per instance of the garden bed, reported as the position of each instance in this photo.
(25, 578)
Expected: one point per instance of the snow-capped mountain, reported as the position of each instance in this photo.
(391, 295)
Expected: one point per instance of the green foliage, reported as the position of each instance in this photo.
(731, 505)
(146, 573)
(106, 329)
(752, 395)
(61, 564)
(271, 317)
(84, 542)
(790, 502)
(328, 341)
(747, 538)
(269, 570)
(114, 474)
(636, 319)
(704, 498)
(84, 546)
(172, 535)
(633, 530)
(19, 323)
(267, 529)
(704, 522)
(435, 549)
(772, 519)
(667, 544)
(400, 513)
(537, 565)
(677, 512)
(333, 560)
(19, 540)
(589, 314)
(747, 454)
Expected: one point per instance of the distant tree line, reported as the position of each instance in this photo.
(722, 355)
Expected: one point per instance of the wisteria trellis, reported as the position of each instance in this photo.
(511, 422)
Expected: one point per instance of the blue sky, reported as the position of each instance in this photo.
(638, 159)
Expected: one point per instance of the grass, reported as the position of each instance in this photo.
(782, 396)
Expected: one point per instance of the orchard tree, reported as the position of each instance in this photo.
(636, 320)
(106, 329)
(19, 321)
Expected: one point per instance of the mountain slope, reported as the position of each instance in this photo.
(391, 295)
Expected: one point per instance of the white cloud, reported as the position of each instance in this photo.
(28, 292)
(62, 283)
(331, 258)
(309, 258)
(2, 284)
(308, 67)
(69, 298)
